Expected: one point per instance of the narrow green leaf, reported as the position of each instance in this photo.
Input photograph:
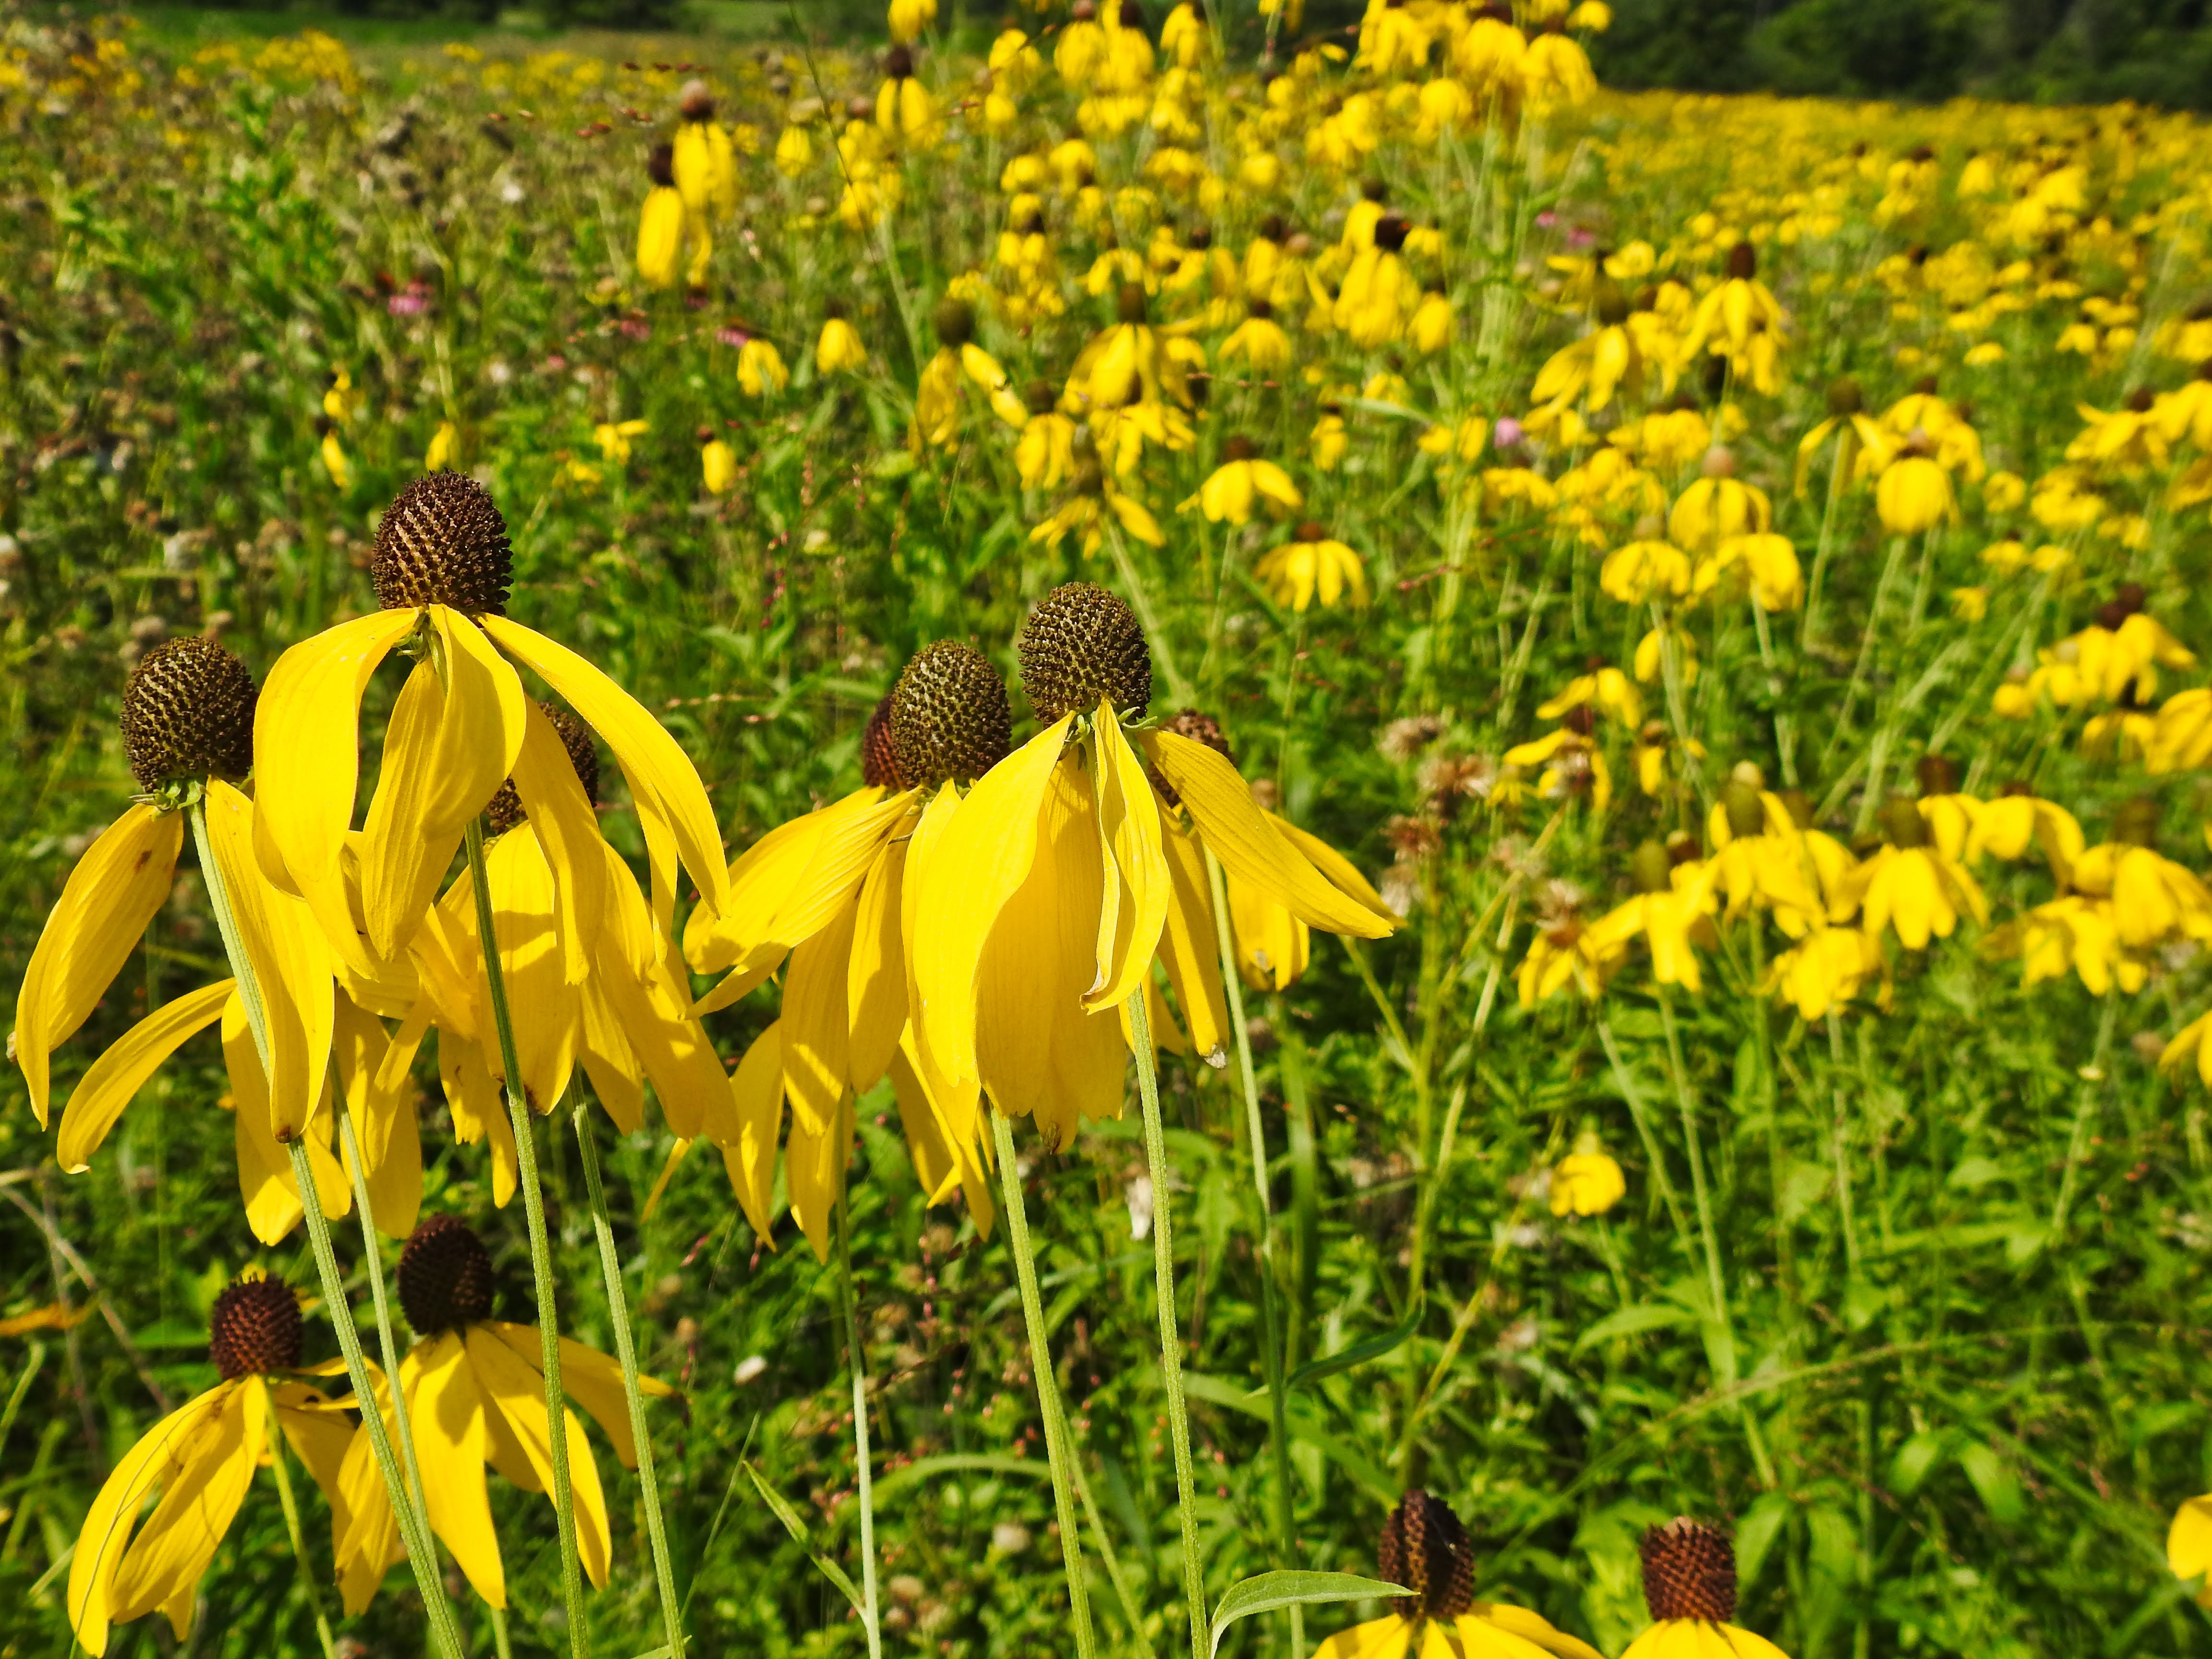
(1630, 1322)
(1359, 1353)
(1267, 1591)
(797, 1528)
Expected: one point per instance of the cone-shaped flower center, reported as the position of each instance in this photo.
(1426, 1549)
(1080, 644)
(879, 762)
(1689, 1571)
(255, 1329)
(1902, 824)
(505, 811)
(442, 542)
(950, 718)
(445, 1276)
(188, 712)
(955, 323)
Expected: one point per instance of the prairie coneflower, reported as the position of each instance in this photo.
(839, 348)
(1587, 1180)
(1740, 321)
(1425, 1547)
(1689, 1584)
(831, 890)
(476, 1397)
(441, 565)
(202, 1457)
(704, 162)
(1313, 562)
(664, 222)
(1244, 478)
(905, 113)
(1911, 884)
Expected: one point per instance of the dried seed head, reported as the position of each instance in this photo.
(255, 1329)
(955, 323)
(1391, 231)
(1938, 774)
(1130, 304)
(949, 716)
(880, 766)
(1082, 643)
(1198, 728)
(1426, 1549)
(696, 103)
(1746, 812)
(1743, 262)
(445, 1276)
(660, 165)
(188, 712)
(1689, 1571)
(506, 809)
(442, 542)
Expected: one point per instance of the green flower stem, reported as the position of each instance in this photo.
(541, 1254)
(849, 1306)
(1279, 1438)
(422, 1554)
(648, 1479)
(1141, 602)
(1156, 1150)
(387, 1342)
(279, 1465)
(1059, 1451)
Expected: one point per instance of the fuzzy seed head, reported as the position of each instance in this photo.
(505, 811)
(1689, 1571)
(950, 717)
(879, 765)
(188, 712)
(445, 1276)
(255, 1329)
(442, 542)
(1082, 643)
(1426, 1549)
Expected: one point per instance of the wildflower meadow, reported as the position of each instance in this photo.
(1143, 828)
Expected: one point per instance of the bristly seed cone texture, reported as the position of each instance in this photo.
(445, 1276)
(442, 542)
(255, 1329)
(1689, 1571)
(505, 811)
(188, 712)
(1198, 728)
(879, 762)
(1081, 644)
(950, 718)
(1426, 1549)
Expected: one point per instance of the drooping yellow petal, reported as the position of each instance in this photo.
(543, 1008)
(934, 1165)
(266, 1180)
(291, 964)
(841, 861)
(813, 1162)
(307, 763)
(875, 981)
(984, 856)
(380, 1096)
(1190, 947)
(516, 1391)
(1090, 1058)
(472, 1097)
(111, 1082)
(817, 1024)
(105, 1535)
(761, 879)
(652, 1010)
(560, 814)
(365, 1540)
(1342, 873)
(319, 1438)
(102, 912)
(591, 1379)
(1028, 971)
(609, 1060)
(662, 779)
(446, 1410)
(1129, 827)
(1247, 845)
(748, 1137)
(199, 1500)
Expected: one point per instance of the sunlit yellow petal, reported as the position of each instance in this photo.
(560, 814)
(1129, 825)
(199, 1500)
(517, 1391)
(875, 982)
(748, 1142)
(110, 1081)
(102, 912)
(105, 1535)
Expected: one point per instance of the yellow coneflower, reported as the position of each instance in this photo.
(613, 438)
(1689, 1584)
(761, 369)
(665, 222)
(1016, 998)
(441, 447)
(1605, 361)
(1244, 478)
(476, 1397)
(1670, 913)
(1864, 447)
(1426, 1548)
(831, 891)
(703, 161)
(336, 463)
(1044, 455)
(1095, 501)
(909, 18)
(1914, 493)
(1741, 321)
(1259, 339)
(905, 113)
(1313, 562)
(1378, 294)
(1825, 968)
(1911, 884)
(201, 1457)
(1587, 1181)
(717, 463)
(839, 348)
(440, 567)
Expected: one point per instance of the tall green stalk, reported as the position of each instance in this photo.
(388, 1340)
(648, 1479)
(1060, 1451)
(856, 1359)
(1272, 1359)
(422, 1554)
(1156, 1150)
(541, 1254)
